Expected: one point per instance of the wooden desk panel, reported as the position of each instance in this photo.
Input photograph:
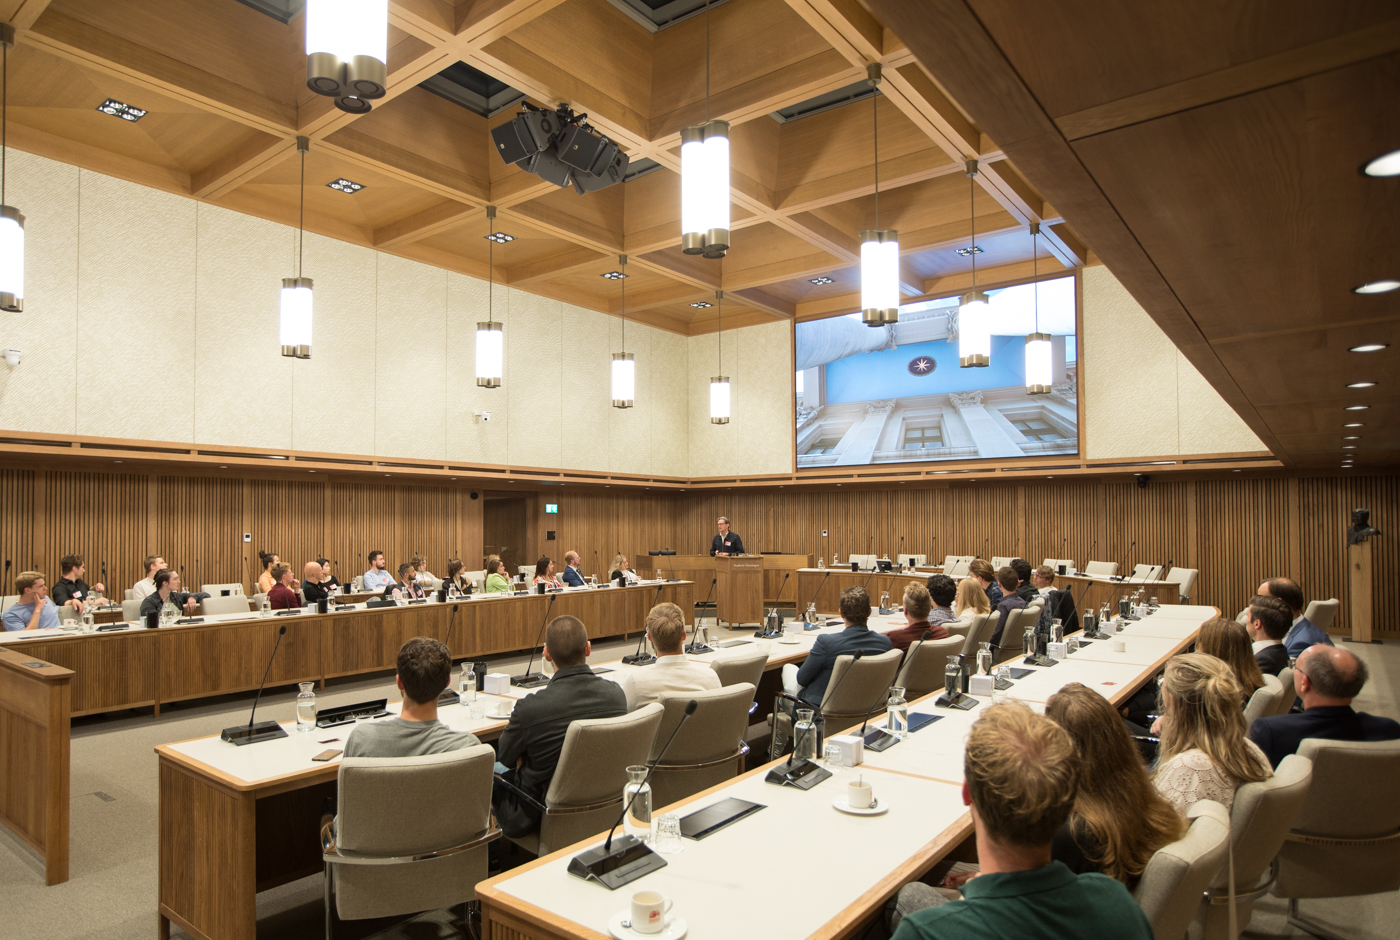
(113, 670)
(217, 658)
(34, 737)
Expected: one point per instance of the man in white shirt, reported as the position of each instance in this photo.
(1043, 579)
(147, 586)
(672, 671)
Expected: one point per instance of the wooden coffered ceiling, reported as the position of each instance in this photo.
(224, 88)
(1211, 153)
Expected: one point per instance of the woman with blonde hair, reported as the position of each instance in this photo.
(1205, 753)
(621, 569)
(971, 600)
(1228, 641)
(1119, 819)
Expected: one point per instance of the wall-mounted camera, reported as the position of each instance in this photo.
(12, 357)
(482, 416)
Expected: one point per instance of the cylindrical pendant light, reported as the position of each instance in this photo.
(294, 322)
(490, 336)
(11, 219)
(879, 248)
(347, 44)
(705, 178)
(719, 384)
(1040, 363)
(624, 365)
(974, 325)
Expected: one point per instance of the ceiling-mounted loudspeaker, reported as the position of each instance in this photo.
(560, 147)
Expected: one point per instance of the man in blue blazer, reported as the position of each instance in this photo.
(1328, 679)
(572, 578)
(809, 682)
(1304, 633)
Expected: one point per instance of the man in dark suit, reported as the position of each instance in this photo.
(725, 542)
(1267, 619)
(530, 745)
(809, 682)
(1304, 633)
(1327, 679)
(572, 578)
(1024, 588)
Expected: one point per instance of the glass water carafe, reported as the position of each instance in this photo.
(804, 736)
(811, 616)
(306, 707)
(1057, 631)
(1028, 641)
(985, 657)
(897, 713)
(638, 792)
(884, 600)
(952, 677)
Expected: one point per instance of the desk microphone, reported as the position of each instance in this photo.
(104, 572)
(1124, 577)
(900, 552)
(690, 708)
(264, 730)
(883, 697)
(452, 622)
(1091, 555)
(641, 657)
(528, 679)
(595, 562)
(763, 632)
(695, 646)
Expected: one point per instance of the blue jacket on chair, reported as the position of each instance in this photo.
(815, 673)
(1303, 634)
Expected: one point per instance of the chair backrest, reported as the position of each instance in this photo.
(1260, 818)
(922, 670)
(1171, 886)
(217, 590)
(7, 601)
(381, 800)
(914, 560)
(1264, 701)
(746, 668)
(1009, 647)
(257, 600)
(865, 561)
(476, 577)
(715, 730)
(593, 764)
(131, 610)
(129, 595)
(233, 604)
(1104, 569)
(67, 613)
(1185, 579)
(1345, 839)
(960, 568)
(1147, 572)
(949, 561)
(854, 694)
(999, 561)
(1322, 613)
(979, 632)
(1285, 698)
(1055, 563)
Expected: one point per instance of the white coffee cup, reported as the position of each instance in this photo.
(859, 795)
(1120, 644)
(503, 709)
(649, 910)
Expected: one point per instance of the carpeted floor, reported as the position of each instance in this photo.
(112, 889)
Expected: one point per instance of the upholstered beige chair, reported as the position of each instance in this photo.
(411, 834)
(131, 611)
(922, 670)
(1101, 569)
(1322, 613)
(847, 699)
(68, 614)
(1146, 572)
(1176, 876)
(1285, 700)
(747, 667)
(1185, 579)
(708, 750)
(217, 590)
(233, 604)
(1009, 646)
(978, 632)
(1265, 701)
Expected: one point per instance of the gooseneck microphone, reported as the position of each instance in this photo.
(263, 730)
(528, 679)
(690, 708)
(641, 657)
(694, 646)
(900, 552)
(813, 598)
(452, 622)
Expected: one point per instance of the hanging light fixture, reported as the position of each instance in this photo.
(624, 365)
(1040, 362)
(347, 44)
(719, 384)
(974, 322)
(490, 338)
(294, 330)
(11, 219)
(705, 178)
(879, 248)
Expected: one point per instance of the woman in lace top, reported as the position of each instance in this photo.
(1205, 751)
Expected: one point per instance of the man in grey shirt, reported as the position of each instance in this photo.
(425, 667)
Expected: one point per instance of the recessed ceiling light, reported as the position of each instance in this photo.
(499, 238)
(1377, 287)
(1348, 447)
(1351, 437)
(388, 474)
(311, 471)
(1355, 424)
(1387, 164)
(968, 252)
(121, 109)
(345, 186)
(1369, 347)
(1360, 384)
(702, 304)
(820, 280)
(1356, 407)
(1237, 471)
(615, 275)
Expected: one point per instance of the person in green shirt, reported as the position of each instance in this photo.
(1020, 778)
(496, 581)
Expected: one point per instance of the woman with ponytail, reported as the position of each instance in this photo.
(1229, 642)
(1205, 751)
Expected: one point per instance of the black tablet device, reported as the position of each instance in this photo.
(712, 819)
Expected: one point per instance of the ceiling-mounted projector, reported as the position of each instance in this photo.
(560, 147)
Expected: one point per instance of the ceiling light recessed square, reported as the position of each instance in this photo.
(121, 109)
(499, 238)
(1355, 424)
(345, 186)
(615, 275)
(702, 304)
(1356, 407)
(1361, 384)
(1351, 437)
(1387, 164)
(821, 280)
(1383, 286)
(969, 252)
(1369, 347)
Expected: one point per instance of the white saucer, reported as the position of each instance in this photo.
(675, 928)
(879, 809)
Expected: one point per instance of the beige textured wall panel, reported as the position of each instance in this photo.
(668, 369)
(412, 367)
(585, 406)
(1208, 424)
(136, 298)
(40, 393)
(758, 438)
(469, 440)
(534, 380)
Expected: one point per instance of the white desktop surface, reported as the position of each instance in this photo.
(1139, 650)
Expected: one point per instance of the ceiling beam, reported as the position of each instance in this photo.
(572, 261)
(27, 13)
(420, 225)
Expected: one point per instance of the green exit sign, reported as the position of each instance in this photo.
(551, 507)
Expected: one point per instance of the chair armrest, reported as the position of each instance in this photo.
(337, 856)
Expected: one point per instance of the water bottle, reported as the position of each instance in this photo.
(264, 607)
(638, 792)
(821, 564)
(1028, 642)
(897, 714)
(810, 618)
(306, 707)
(466, 687)
(884, 600)
(1090, 627)
(804, 736)
(952, 678)
(985, 656)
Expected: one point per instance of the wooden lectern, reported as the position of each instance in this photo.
(739, 589)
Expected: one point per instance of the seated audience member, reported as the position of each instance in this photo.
(147, 585)
(424, 669)
(456, 577)
(267, 579)
(168, 593)
(1023, 579)
(943, 590)
(1228, 642)
(1010, 601)
(621, 567)
(283, 595)
(1267, 619)
(809, 682)
(496, 580)
(376, 578)
(328, 580)
(1043, 580)
(971, 600)
(33, 610)
(1327, 679)
(421, 574)
(1205, 754)
(672, 671)
(572, 576)
(1021, 776)
(1303, 633)
(407, 585)
(917, 606)
(312, 587)
(529, 746)
(544, 573)
(71, 590)
(986, 576)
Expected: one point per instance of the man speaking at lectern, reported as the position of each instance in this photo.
(726, 543)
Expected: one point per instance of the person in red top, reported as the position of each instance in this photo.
(917, 604)
(283, 595)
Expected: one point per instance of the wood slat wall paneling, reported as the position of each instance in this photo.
(101, 517)
(211, 551)
(16, 523)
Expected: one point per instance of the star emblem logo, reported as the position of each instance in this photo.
(922, 365)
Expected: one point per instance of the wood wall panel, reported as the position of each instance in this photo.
(210, 552)
(16, 522)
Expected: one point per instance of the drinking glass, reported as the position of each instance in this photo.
(897, 713)
(89, 622)
(821, 564)
(668, 834)
(831, 756)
